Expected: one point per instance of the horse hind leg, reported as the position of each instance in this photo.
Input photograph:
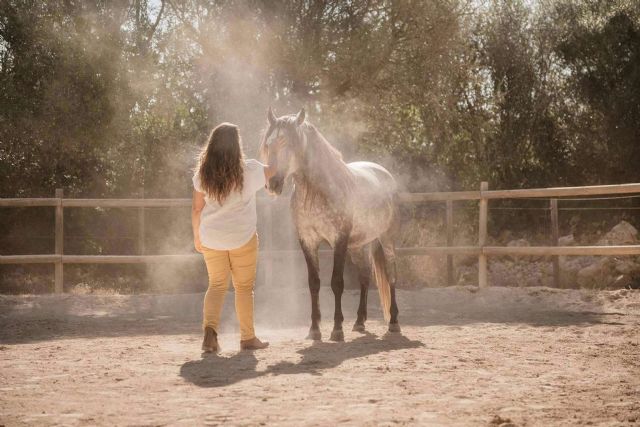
(360, 259)
(387, 241)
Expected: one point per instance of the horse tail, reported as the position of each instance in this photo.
(382, 279)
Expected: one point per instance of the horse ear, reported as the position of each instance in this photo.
(300, 117)
(271, 117)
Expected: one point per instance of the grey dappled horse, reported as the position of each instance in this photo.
(351, 206)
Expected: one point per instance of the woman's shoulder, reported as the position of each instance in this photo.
(253, 164)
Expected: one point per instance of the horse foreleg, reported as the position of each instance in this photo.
(337, 285)
(311, 257)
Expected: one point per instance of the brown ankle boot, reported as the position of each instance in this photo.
(210, 342)
(253, 344)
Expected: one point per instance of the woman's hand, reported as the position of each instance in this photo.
(198, 244)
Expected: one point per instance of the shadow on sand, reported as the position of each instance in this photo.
(217, 371)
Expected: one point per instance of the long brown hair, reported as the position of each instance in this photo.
(220, 163)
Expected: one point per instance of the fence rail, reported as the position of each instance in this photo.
(529, 193)
(482, 251)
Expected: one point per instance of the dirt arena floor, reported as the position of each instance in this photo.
(499, 356)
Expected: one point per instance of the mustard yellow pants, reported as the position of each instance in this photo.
(241, 264)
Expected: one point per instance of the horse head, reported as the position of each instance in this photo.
(287, 155)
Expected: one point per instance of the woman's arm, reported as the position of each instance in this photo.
(197, 204)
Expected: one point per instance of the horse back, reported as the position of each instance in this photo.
(373, 180)
(373, 202)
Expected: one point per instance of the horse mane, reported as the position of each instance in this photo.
(324, 171)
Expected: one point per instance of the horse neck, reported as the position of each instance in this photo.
(323, 175)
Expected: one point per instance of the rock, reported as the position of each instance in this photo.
(596, 275)
(467, 276)
(622, 281)
(576, 262)
(622, 234)
(600, 272)
(567, 240)
(503, 272)
(589, 275)
(505, 236)
(467, 260)
(518, 243)
(627, 266)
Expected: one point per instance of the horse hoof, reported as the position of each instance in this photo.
(394, 327)
(359, 327)
(315, 335)
(337, 335)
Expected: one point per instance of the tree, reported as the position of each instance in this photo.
(599, 43)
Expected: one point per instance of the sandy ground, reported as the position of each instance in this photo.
(500, 356)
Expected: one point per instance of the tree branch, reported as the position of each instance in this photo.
(152, 31)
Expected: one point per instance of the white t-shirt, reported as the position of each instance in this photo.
(232, 224)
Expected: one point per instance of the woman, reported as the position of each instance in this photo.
(223, 216)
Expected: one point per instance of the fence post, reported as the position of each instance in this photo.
(141, 226)
(449, 241)
(555, 233)
(482, 236)
(59, 240)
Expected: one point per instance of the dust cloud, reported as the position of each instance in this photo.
(239, 63)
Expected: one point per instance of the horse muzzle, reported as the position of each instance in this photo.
(276, 183)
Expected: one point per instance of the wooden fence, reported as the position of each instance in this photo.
(482, 251)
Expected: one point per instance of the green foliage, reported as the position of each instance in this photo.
(104, 98)
(114, 98)
(602, 51)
